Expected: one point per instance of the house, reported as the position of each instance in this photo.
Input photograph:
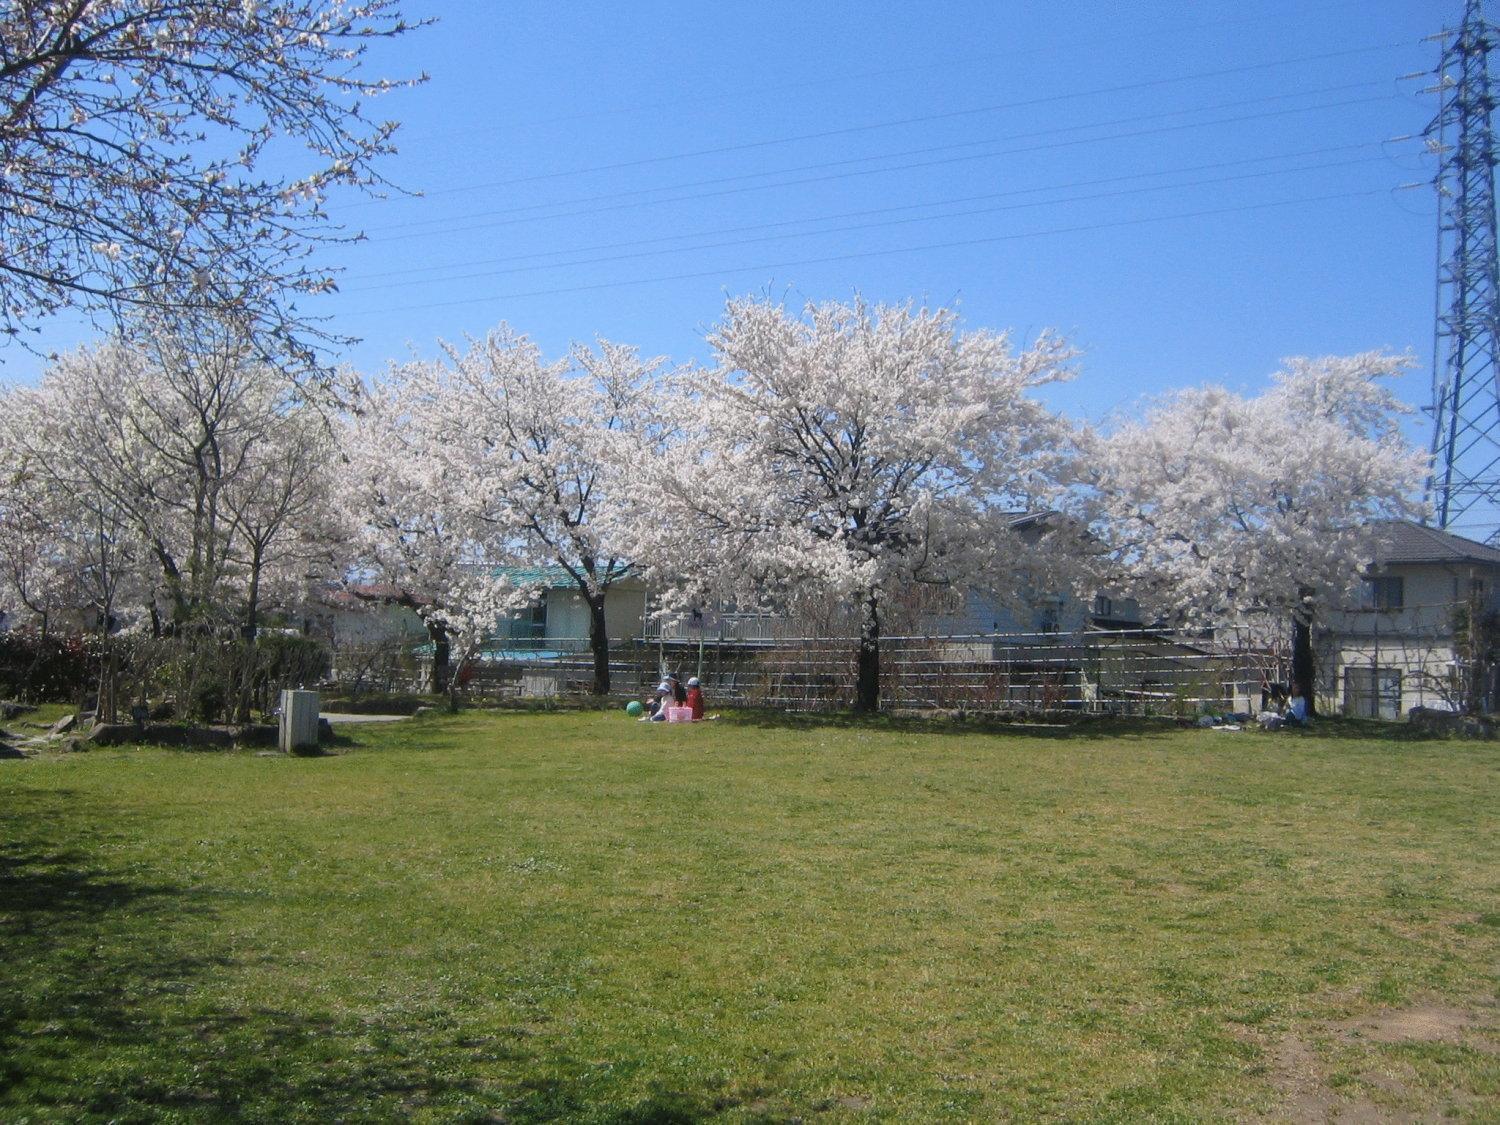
(1042, 651)
(560, 615)
(1423, 632)
(379, 637)
(375, 636)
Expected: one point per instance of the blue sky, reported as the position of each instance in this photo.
(1188, 191)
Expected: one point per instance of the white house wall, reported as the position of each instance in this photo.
(1416, 640)
(568, 613)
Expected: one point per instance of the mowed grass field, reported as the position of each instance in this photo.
(575, 917)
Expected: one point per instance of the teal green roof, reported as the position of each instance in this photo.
(548, 577)
(535, 575)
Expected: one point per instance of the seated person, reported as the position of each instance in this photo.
(663, 701)
(1296, 710)
(695, 697)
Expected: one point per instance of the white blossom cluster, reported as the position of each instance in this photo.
(173, 486)
(842, 455)
(1218, 505)
(137, 138)
(476, 467)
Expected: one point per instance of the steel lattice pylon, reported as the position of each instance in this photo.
(1464, 485)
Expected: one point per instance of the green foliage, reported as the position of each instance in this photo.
(288, 660)
(209, 699)
(52, 669)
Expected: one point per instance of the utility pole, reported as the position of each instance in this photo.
(1463, 485)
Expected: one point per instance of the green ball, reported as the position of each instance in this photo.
(633, 708)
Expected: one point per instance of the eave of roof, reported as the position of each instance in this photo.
(1406, 541)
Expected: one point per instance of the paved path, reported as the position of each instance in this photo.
(346, 717)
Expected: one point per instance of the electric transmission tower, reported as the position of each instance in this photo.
(1464, 485)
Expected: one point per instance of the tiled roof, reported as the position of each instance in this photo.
(1409, 542)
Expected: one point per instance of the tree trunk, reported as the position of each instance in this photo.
(440, 679)
(248, 631)
(599, 643)
(1303, 667)
(109, 674)
(867, 681)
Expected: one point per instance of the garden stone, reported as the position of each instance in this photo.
(10, 709)
(64, 725)
(10, 753)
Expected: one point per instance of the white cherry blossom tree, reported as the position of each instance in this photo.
(497, 457)
(176, 154)
(78, 552)
(410, 514)
(1218, 505)
(852, 450)
(176, 477)
(36, 575)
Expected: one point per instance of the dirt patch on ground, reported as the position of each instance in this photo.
(1422, 1023)
(1383, 1089)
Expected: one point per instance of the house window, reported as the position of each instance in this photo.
(1372, 693)
(1049, 617)
(528, 624)
(1386, 592)
(1103, 607)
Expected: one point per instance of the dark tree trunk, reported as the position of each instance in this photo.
(109, 675)
(867, 680)
(440, 679)
(248, 629)
(599, 643)
(1303, 667)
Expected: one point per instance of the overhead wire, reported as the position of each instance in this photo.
(881, 224)
(836, 216)
(923, 119)
(698, 97)
(513, 215)
(865, 254)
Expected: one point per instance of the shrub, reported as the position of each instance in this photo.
(50, 669)
(210, 695)
(290, 660)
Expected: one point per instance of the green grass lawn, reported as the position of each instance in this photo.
(577, 917)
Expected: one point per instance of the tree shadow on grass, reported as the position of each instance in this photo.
(109, 1010)
(104, 1011)
(1050, 727)
(551, 1100)
(1371, 730)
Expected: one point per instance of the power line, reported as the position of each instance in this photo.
(521, 218)
(949, 115)
(926, 150)
(883, 223)
(746, 228)
(962, 243)
(884, 72)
